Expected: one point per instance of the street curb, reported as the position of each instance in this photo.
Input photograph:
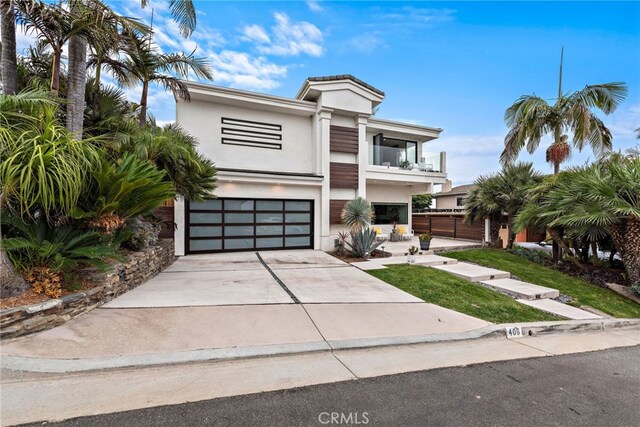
(54, 365)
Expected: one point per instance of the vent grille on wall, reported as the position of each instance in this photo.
(247, 133)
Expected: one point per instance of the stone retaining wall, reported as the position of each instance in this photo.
(140, 267)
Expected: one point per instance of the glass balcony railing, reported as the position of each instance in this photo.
(397, 158)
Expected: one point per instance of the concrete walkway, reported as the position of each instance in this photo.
(529, 294)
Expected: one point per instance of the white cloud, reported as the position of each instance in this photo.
(287, 38)
(367, 43)
(240, 70)
(255, 33)
(410, 15)
(315, 6)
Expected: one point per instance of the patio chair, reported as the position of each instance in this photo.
(404, 235)
(379, 234)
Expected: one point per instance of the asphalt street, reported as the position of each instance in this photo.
(588, 389)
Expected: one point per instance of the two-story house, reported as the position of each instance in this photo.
(287, 166)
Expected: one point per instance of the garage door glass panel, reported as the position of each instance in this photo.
(207, 205)
(238, 205)
(297, 241)
(297, 217)
(246, 230)
(238, 243)
(291, 205)
(268, 205)
(268, 230)
(205, 231)
(297, 229)
(265, 218)
(238, 218)
(205, 245)
(200, 218)
(269, 242)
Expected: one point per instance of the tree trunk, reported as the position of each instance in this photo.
(76, 84)
(494, 231)
(95, 96)
(594, 254)
(11, 283)
(512, 235)
(9, 63)
(143, 103)
(626, 238)
(55, 72)
(558, 239)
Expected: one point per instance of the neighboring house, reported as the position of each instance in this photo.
(453, 198)
(287, 166)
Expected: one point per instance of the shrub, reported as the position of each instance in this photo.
(536, 255)
(44, 253)
(425, 236)
(363, 243)
(127, 189)
(635, 288)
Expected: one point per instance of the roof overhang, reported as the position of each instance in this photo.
(247, 99)
(404, 130)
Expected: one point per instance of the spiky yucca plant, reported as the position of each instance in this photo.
(357, 214)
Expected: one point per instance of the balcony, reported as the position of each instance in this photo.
(430, 169)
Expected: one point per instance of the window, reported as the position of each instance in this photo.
(387, 213)
(460, 201)
(393, 151)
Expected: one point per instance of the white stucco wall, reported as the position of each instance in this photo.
(203, 120)
(448, 202)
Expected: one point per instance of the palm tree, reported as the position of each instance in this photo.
(8, 60)
(183, 12)
(590, 199)
(501, 196)
(530, 118)
(103, 34)
(144, 64)
(173, 150)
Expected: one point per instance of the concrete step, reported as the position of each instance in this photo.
(521, 290)
(564, 310)
(424, 260)
(474, 273)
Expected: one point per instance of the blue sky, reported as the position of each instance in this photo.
(455, 65)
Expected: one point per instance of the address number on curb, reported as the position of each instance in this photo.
(514, 332)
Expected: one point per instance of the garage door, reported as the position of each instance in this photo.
(229, 224)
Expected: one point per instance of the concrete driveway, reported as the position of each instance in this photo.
(244, 300)
(243, 278)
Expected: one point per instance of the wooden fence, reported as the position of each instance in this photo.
(448, 226)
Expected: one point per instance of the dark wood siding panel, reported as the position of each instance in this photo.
(343, 175)
(335, 211)
(343, 139)
(469, 232)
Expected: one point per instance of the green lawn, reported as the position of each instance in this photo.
(583, 292)
(449, 291)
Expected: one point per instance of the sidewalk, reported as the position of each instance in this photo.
(30, 397)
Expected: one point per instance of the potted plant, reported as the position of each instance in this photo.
(425, 241)
(411, 256)
(394, 236)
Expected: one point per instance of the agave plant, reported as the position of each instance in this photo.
(357, 214)
(363, 242)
